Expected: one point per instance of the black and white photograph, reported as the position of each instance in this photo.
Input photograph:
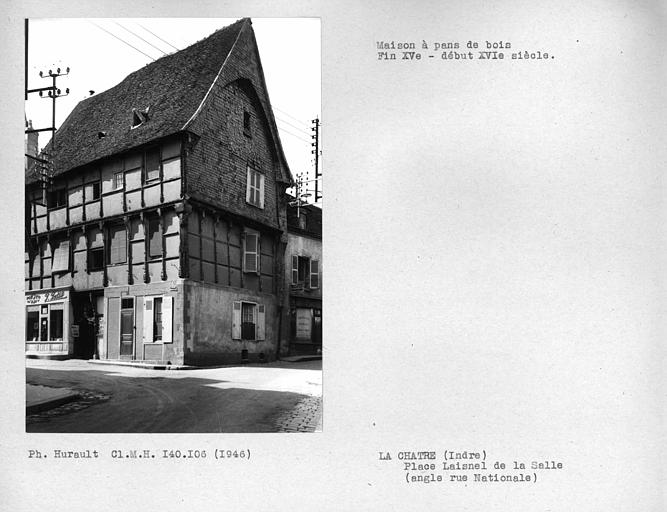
(333, 255)
(173, 222)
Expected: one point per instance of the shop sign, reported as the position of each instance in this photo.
(75, 330)
(46, 297)
(304, 322)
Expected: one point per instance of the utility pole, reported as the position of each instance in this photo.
(316, 151)
(46, 164)
(53, 93)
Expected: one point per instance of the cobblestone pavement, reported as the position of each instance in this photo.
(305, 417)
(87, 398)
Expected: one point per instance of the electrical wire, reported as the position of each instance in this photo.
(293, 135)
(122, 40)
(292, 125)
(152, 33)
(137, 35)
(291, 116)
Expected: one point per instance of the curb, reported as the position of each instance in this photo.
(298, 359)
(145, 366)
(45, 405)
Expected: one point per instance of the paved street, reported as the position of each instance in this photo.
(275, 397)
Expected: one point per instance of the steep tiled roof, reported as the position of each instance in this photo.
(171, 88)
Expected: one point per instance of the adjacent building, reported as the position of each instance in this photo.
(161, 233)
(304, 275)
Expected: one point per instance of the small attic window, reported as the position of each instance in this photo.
(139, 117)
(246, 123)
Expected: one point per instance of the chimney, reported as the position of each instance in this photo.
(32, 142)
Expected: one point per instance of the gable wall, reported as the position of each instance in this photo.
(216, 166)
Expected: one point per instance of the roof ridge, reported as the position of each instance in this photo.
(173, 86)
(217, 76)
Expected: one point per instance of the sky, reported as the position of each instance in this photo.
(102, 52)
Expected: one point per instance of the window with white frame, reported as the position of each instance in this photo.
(158, 319)
(255, 188)
(248, 321)
(118, 181)
(251, 252)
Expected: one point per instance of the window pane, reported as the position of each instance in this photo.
(118, 180)
(44, 329)
(152, 165)
(33, 326)
(251, 243)
(56, 322)
(97, 259)
(250, 262)
(157, 318)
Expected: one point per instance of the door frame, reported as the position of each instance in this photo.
(132, 354)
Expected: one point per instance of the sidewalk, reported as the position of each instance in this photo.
(42, 398)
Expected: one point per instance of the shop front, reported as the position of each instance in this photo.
(48, 330)
(306, 326)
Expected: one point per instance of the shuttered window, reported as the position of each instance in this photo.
(248, 321)
(158, 319)
(295, 269)
(155, 239)
(314, 274)
(61, 257)
(251, 252)
(118, 245)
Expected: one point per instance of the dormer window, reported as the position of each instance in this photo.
(139, 117)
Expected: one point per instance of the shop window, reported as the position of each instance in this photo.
(44, 328)
(56, 324)
(61, 257)
(117, 245)
(32, 326)
(255, 188)
(251, 252)
(248, 321)
(152, 170)
(154, 238)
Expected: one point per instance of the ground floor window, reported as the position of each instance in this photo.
(45, 322)
(248, 321)
(158, 319)
(33, 326)
(306, 325)
(56, 324)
